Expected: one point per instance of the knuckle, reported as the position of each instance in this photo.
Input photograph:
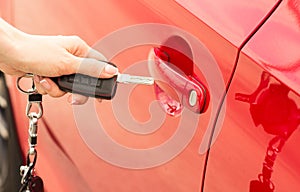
(55, 93)
(41, 91)
(66, 65)
(77, 39)
(79, 46)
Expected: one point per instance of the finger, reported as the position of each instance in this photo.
(87, 60)
(95, 68)
(78, 47)
(94, 54)
(50, 87)
(75, 99)
(38, 86)
(108, 70)
(75, 45)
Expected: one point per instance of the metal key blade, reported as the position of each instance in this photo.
(126, 78)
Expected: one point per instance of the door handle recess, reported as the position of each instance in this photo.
(190, 92)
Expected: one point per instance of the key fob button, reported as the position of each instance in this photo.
(76, 79)
(94, 82)
(85, 80)
(70, 79)
(99, 83)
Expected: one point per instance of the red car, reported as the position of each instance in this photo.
(222, 115)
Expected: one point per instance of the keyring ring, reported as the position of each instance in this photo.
(29, 91)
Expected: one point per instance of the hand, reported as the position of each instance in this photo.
(61, 55)
(50, 56)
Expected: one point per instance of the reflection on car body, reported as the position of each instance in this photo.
(271, 107)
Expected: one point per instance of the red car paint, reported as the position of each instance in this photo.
(243, 130)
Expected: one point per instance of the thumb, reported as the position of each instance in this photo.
(95, 68)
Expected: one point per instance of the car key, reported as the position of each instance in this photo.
(98, 87)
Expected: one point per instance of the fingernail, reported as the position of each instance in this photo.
(109, 69)
(45, 84)
(74, 101)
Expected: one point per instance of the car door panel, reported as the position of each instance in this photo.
(260, 128)
(234, 20)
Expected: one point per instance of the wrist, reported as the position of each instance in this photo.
(8, 32)
(9, 38)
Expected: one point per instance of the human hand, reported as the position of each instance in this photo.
(78, 54)
(51, 56)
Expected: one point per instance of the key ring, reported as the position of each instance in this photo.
(33, 88)
(34, 98)
(31, 92)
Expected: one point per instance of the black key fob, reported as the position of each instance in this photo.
(87, 85)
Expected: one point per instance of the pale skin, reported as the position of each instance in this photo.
(49, 56)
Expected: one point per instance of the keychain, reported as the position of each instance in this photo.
(77, 83)
(30, 182)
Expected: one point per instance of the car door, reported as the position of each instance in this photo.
(257, 147)
(146, 138)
